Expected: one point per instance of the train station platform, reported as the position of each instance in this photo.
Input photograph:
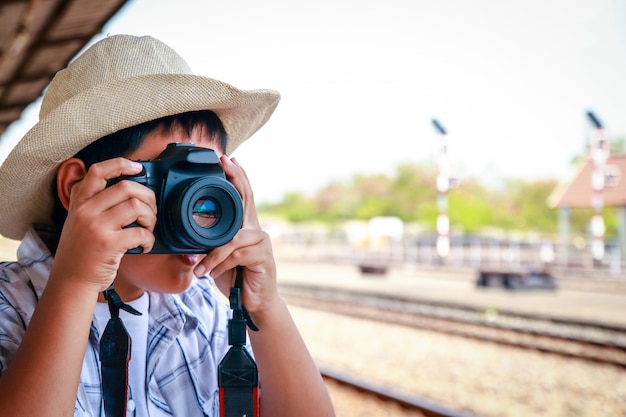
(575, 298)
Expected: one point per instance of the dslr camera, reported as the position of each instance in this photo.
(198, 208)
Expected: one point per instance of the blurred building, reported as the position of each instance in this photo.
(578, 192)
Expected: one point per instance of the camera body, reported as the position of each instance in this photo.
(197, 207)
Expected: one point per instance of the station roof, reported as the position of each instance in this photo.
(37, 39)
(577, 192)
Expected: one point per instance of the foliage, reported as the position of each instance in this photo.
(295, 207)
(411, 195)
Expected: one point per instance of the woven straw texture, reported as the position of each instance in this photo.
(119, 82)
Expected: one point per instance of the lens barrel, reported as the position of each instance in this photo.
(203, 213)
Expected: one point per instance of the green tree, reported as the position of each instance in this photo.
(471, 206)
(410, 194)
(295, 207)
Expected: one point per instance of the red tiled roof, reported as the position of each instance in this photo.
(577, 192)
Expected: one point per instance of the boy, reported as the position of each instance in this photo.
(125, 99)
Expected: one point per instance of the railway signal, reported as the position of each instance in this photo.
(443, 182)
(599, 151)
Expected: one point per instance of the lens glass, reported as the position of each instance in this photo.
(205, 212)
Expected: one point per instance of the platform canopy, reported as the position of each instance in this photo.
(37, 39)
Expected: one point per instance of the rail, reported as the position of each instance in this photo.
(405, 400)
(593, 342)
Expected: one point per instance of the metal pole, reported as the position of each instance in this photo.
(598, 154)
(564, 220)
(443, 185)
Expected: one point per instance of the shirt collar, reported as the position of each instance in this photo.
(170, 311)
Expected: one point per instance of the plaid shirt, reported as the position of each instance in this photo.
(187, 338)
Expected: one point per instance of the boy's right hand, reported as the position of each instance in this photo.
(94, 237)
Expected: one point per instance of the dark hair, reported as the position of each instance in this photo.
(126, 141)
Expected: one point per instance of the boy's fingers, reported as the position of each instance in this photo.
(98, 174)
(131, 211)
(236, 252)
(238, 177)
(124, 191)
(134, 237)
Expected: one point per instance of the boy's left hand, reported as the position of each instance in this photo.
(251, 248)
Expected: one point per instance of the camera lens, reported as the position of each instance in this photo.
(202, 213)
(205, 212)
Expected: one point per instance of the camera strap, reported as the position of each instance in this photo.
(115, 345)
(237, 373)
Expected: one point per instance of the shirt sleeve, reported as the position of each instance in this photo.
(17, 304)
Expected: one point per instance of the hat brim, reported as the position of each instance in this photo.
(27, 173)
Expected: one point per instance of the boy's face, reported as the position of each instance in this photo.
(160, 273)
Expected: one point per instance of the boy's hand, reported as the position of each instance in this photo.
(251, 248)
(94, 237)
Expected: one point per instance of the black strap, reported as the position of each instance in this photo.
(237, 373)
(115, 345)
(239, 305)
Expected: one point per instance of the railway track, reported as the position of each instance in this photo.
(412, 404)
(593, 342)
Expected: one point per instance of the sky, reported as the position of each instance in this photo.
(361, 81)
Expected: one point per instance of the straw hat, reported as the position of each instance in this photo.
(119, 82)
